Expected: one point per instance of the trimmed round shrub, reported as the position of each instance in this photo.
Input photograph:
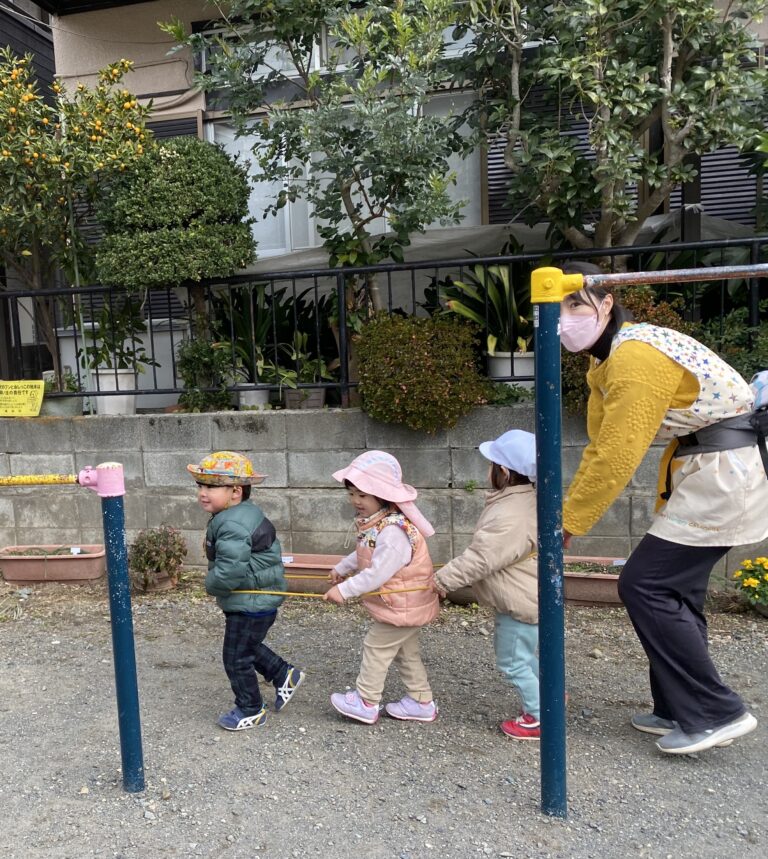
(419, 372)
(180, 215)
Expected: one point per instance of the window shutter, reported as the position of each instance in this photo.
(728, 190)
(185, 126)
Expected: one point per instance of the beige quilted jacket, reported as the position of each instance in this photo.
(498, 563)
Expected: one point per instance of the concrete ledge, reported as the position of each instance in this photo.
(298, 451)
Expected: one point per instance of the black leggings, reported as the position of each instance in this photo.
(663, 586)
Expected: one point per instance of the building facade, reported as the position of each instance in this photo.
(89, 35)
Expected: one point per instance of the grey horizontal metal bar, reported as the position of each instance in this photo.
(723, 272)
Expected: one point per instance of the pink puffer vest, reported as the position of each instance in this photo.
(416, 608)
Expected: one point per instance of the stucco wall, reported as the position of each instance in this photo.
(298, 451)
(87, 42)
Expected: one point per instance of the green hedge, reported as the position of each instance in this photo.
(181, 214)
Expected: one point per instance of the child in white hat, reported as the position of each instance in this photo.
(500, 565)
(391, 556)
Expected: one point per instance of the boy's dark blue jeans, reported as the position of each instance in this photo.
(244, 654)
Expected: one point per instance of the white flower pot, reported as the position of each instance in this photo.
(116, 380)
(501, 365)
(165, 339)
(257, 398)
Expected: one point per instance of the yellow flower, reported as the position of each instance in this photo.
(747, 565)
(751, 582)
(738, 573)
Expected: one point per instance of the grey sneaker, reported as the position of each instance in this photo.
(677, 742)
(650, 723)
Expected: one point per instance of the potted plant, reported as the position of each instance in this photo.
(752, 583)
(489, 297)
(156, 558)
(57, 406)
(309, 371)
(248, 317)
(115, 353)
(206, 369)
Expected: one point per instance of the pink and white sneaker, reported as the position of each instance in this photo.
(409, 710)
(351, 705)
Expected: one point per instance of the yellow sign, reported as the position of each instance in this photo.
(21, 399)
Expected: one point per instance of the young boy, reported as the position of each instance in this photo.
(243, 554)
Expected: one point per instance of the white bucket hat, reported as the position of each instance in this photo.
(515, 450)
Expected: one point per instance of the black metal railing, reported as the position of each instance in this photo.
(291, 329)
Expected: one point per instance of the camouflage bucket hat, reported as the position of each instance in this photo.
(225, 468)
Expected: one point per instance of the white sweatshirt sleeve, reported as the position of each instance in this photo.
(347, 565)
(392, 553)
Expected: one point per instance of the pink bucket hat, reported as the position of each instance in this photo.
(378, 473)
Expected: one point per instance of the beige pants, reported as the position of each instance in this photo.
(383, 645)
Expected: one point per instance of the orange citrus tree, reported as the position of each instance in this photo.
(56, 153)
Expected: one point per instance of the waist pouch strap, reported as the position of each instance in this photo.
(729, 434)
(759, 422)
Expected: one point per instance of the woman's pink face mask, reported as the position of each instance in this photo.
(580, 331)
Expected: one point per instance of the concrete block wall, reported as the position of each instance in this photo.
(298, 451)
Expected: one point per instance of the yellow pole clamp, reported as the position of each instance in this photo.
(550, 285)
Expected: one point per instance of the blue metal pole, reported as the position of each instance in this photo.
(549, 499)
(123, 649)
(549, 502)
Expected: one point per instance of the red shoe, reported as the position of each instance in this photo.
(524, 727)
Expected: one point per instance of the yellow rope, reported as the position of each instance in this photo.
(38, 479)
(369, 594)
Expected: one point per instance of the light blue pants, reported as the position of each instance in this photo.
(516, 644)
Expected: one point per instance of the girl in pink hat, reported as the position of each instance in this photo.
(391, 556)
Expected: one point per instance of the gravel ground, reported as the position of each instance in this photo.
(312, 784)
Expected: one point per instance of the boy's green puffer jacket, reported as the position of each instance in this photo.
(243, 554)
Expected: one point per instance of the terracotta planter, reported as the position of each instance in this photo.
(42, 567)
(162, 582)
(580, 588)
(309, 565)
(594, 589)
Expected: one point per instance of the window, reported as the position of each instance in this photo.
(467, 170)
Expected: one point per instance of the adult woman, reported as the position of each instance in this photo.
(648, 382)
